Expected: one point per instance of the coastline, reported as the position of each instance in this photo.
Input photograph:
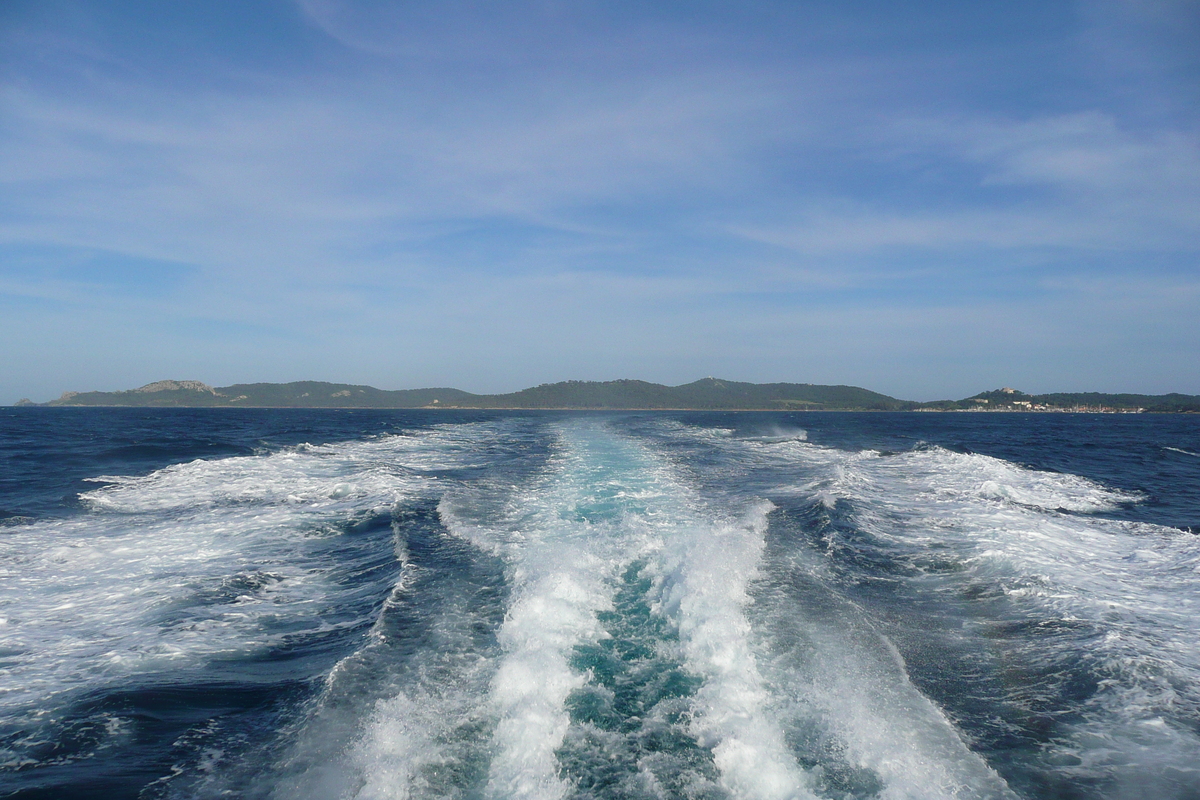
(707, 394)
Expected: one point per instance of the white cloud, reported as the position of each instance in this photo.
(283, 180)
(1083, 153)
(1083, 183)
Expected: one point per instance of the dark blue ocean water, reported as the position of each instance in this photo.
(451, 604)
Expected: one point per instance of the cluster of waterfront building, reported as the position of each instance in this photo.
(1005, 404)
(982, 404)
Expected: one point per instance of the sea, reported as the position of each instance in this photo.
(321, 604)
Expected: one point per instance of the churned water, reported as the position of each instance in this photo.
(489, 605)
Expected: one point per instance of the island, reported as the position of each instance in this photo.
(707, 394)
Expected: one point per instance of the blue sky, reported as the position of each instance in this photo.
(927, 199)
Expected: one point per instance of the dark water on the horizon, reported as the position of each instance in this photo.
(311, 605)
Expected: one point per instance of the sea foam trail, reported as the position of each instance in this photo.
(202, 560)
(608, 503)
(826, 681)
(844, 689)
(404, 716)
(701, 563)
(564, 541)
(705, 572)
(1064, 598)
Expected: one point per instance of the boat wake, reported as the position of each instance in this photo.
(590, 607)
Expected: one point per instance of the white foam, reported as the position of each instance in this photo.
(204, 559)
(420, 741)
(565, 545)
(608, 502)
(390, 727)
(887, 726)
(834, 671)
(702, 560)
(951, 476)
(780, 433)
(399, 745)
(562, 540)
(706, 570)
(1000, 523)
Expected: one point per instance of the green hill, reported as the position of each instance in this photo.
(317, 394)
(709, 393)
(706, 394)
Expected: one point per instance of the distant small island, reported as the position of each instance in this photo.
(708, 394)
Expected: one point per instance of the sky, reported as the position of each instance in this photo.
(926, 199)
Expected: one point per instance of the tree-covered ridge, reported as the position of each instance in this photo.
(705, 394)
(708, 393)
(298, 394)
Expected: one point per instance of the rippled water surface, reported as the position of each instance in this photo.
(417, 604)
